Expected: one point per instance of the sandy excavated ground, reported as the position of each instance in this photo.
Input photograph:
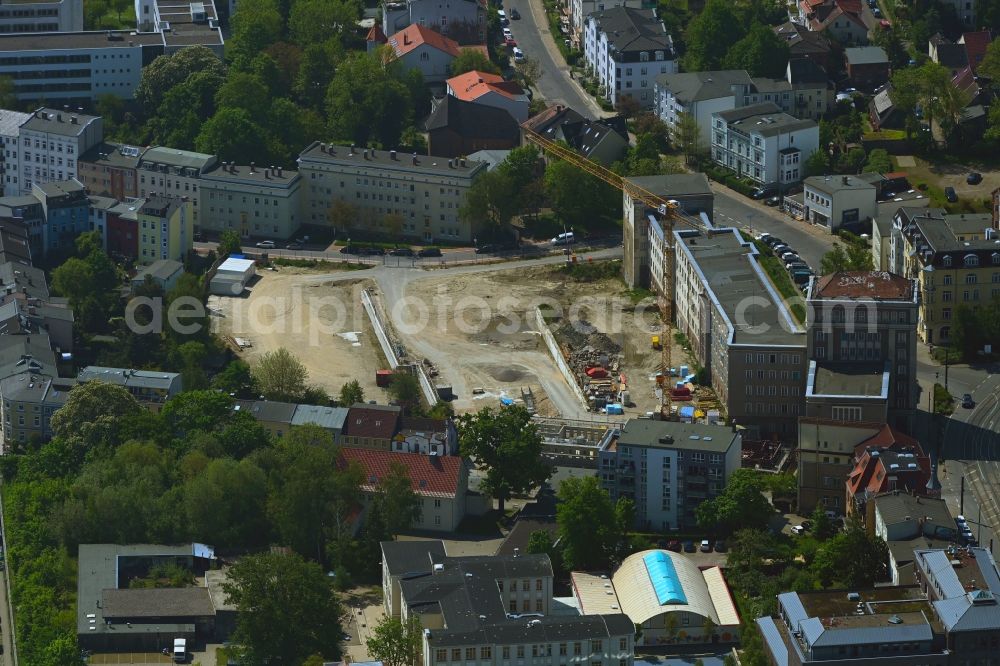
(323, 324)
(488, 339)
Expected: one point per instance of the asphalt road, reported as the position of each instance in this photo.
(532, 35)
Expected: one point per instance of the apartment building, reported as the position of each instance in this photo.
(422, 48)
(741, 331)
(494, 609)
(166, 229)
(805, 92)
(54, 16)
(626, 49)
(462, 20)
(66, 209)
(51, 141)
(579, 10)
(836, 202)
(643, 235)
(371, 426)
(111, 169)
(489, 89)
(441, 483)
(604, 140)
(172, 172)
(29, 400)
(10, 124)
(150, 387)
(847, 22)
(179, 25)
(828, 451)
(867, 66)
(261, 202)
(762, 143)
(803, 43)
(955, 259)
(667, 468)
(416, 196)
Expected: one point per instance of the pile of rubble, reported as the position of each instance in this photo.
(595, 360)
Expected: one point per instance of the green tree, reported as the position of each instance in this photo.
(280, 375)
(226, 504)
(8, 100)
(521, 165)
(246, 91)
(540, 542)
(817, 164)
(710, 36)
(74, 279)
(472, 59)
(396, 643)
(507, 445)
(396, 500)
(689, 137)
(314, 74)
(196, 410)
(889, 40)
(592, 528)
(63, 651)
(256, 25)
(368, 99)
(314, 21)
(229, 243)
(878, 161)
(492, 199)
(854, 255)
(742, 504)
(167, 71)
(852, 558)
(405, 390)
(286, 610)
(233, 135)
(822, 526)
(577, 197)
(235, 379)
(351, 393)
(761, 53)
(94, 410)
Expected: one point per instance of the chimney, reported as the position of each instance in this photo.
(406, 38)
(392, 155)
(462, 161)
(59, 117)
(366, 153)
(847, 181)
(252, 167)
(322, 147)
(279, 172)
(414, 158)
(451, 164)
(352, 149)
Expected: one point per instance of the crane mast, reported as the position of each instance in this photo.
(670, 213)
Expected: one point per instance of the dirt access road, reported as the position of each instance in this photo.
(297, 309)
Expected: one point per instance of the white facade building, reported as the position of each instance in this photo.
(762, 143)
(260, 202)
(627, 49)
(50, 143)
(579, 10)
(57, 16)
(10, 129)
(834, 201)
(175, 173)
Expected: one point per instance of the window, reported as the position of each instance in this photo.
(441, 655)
(846, 413)
(456, 654)
(971, 260)
(520, 652)
(470, 654)
(525, 585)
(562, 650)
(486, 652)
(970, 278)
(538, 605)
(538, 584)
(577, 649)
(596, 646)
(622, 643)
(506, 652)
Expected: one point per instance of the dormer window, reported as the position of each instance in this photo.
(946, 261)
(643, 56)
(995, 258)
(971, 260)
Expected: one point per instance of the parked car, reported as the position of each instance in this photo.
(674, 545)
(294, 246)
(764, 237)
(510, 42)
(950, 195)
(350, 249)
(402, 252)
(266, 244)
(967, 401)
(487, 249)
(807, 525)
(518, 55)
(960, 521)
(566, 238)
(720, 546)
(796, 264)
(503, 16)
(764, 192)
(790, 255)
(429, 252)
(507, 34)
(780, 248)
(515, 15)
(798, 530)
(706, 546)
(774, 241)
(772, 201)
(689, 547)
(974, 178)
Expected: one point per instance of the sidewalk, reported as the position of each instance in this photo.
(542, 22)
(769, 211)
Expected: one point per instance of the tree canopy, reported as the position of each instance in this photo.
(280, 375)
(468, 60)
(741, 505)
(506, 443)
(593, 529)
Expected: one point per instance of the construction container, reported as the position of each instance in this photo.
(615, 409)
(656, 341)
(597, 372)
(383, 378)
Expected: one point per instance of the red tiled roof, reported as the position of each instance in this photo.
(472, 85)
(415, 35)
(431, 476)
(889, 438)
(864, 284)
(975, 46)
(373, 422)
(376, 35)
(871, 474)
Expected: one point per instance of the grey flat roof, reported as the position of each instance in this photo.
(674, 184)
(326, 417)
(54, 121)
(866, 55)
(336, 154)
(765, 119)
(259, 176)
(161, 269)
(647, 432)
(267, 410)
(177, 158)
(111, 154)
(59, 41)
(896, 508)
(129, 377)
(833, 184)
(171, 602)
(862, 380)
(697, 86)
(729, 268)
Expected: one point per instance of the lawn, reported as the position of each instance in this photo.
(104, 15)
(782, 282)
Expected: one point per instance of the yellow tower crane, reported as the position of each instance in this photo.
(670, 213)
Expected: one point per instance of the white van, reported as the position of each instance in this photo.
(503, 16)
(518, 55)
(180, 650)
(564, 239)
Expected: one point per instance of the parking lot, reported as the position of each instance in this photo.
(145, 658)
